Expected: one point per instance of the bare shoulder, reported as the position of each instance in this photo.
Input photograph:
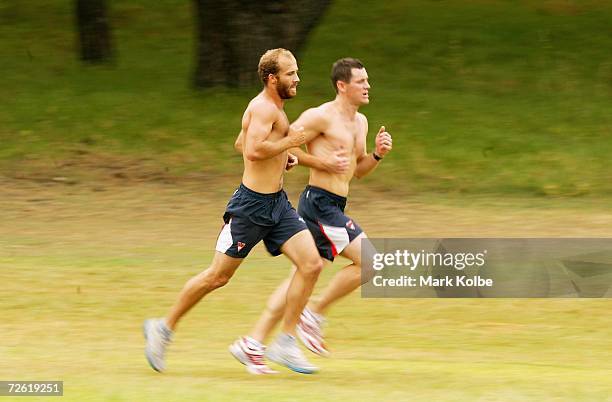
(316, 117)
(364, 121)
(327, 109)
(362, 118)
(262, 109)
(317, 113)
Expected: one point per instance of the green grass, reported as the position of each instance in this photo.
(481, 96)
(80, 270)
(384, 349)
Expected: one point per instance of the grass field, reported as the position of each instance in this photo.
(82, 265)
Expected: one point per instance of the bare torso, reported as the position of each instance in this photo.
(341, 132)
(265, 176)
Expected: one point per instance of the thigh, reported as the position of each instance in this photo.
(288, 226)
(225, 265)
(300, 248)
(353, 250)
(239, 236)
(338, 230)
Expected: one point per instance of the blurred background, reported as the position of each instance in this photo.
(117, 123)
(504, 97)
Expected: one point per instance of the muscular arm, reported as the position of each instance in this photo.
(238, 142)
(365, 161)
(304, 158)
(314, 123)
(308, 160)
(365, 166)
(256, 145)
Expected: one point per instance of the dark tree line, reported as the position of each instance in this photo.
(94, 32)
(231, 35)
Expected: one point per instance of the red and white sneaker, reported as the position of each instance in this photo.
(251, 353)
(310, 332)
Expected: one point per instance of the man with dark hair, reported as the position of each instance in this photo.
(336, 143)
(342, 70)
(258, 210)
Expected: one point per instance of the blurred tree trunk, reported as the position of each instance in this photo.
(94, 31)
(233, 34)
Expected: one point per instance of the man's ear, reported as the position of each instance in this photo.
(341, 86)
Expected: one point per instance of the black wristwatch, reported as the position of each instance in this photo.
(376, 157)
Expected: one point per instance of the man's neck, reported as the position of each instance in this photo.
(272, 94)
(346, 108)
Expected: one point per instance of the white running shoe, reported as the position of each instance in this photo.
(286, 352)
(251, 353)
(158, 336)
(309, 330)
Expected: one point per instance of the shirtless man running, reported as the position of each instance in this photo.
(336, 142)
(258, 210)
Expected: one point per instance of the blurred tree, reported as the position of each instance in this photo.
(233, 34)
(94, 31)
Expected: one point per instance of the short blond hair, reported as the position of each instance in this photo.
(268, 63)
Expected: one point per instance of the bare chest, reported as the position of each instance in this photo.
(344, 133)
(280, 127)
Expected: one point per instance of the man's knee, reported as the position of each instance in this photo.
(213, 278)
(311, 267)
(366, 275)
(276, 310)
(221, 279)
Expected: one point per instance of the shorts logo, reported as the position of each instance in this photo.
(240, 245)
(350, 225)
(301, 219)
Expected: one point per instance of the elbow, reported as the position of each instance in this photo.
(253, 152)
(238, 146)
(249, 152)
(252, 155)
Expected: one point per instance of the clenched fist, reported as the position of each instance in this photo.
(384, 142)
(296, 136)
(338, 161)
(292, 161)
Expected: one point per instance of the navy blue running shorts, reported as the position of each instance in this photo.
(251, 217)
(324, 215)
